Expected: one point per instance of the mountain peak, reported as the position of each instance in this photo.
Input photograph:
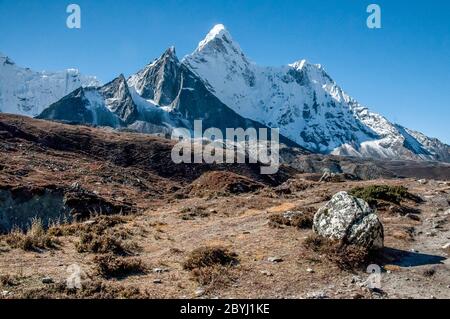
(298, 65)
(170, 51)
(217, 34)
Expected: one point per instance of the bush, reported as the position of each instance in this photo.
(214, 278)
(392, 194)
(304, 219)
(107, 243)
(9, 281)
(99, 225)
(109, 266)
(89, 290)
(346, 257)
(210, 256)
(35, 238)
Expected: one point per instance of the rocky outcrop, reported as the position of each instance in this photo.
(20, 205)
(349, 220)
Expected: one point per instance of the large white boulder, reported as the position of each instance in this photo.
(350, 220)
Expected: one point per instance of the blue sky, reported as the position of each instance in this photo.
(401, 71)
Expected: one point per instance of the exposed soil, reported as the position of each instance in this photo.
(144, 253)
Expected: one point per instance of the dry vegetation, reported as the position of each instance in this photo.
(36, 237)
(346, 257)
(174, 241)
(111, 266)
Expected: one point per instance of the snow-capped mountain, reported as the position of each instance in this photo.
(164, 95)
(305, 103)
(218, 84)
(27, 92)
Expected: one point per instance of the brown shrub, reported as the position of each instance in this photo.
(35, 238)
(9, 281)
(89, 290)
(210, 256)
(303, 220)
(346, 257)
(214, 278)
(110, 266)
(99, 225)
(102, 244)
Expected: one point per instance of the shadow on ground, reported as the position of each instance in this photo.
(404, 258)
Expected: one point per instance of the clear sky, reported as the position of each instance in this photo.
(401, 71)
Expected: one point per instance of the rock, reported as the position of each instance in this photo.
(355, 279)
(310, 270)
(157, 281)
(349, 219)
(413, 217)
(5, 293)
(275, 259)
(422, 181)
(47, 280)
(446, 246)
(160, 270)
(199, 292)
(317, 295)
(75, 186)
(267, 273)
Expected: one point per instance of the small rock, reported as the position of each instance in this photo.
(310, 270)
(275, 259)
(75, 186)
(5, 293)
(422, 181)
(199, 292)
(160, 270)
(446, 246)
(317, 295)
(355, 279)
(413, 217)
(267, 273)
(47, 280)
(157, 281)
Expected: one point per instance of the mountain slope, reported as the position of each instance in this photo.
(27, 92)
(305, 103)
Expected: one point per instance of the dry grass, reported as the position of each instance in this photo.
(36, 237)
(102, 244)
(346, 257)
(191, 213)
(99, 235)
(110, 266)
(98, 225)
(214, 278)
(9, 281)
(210, 256)
(89, 290)
(302, 221)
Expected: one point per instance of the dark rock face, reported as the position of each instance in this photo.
(83, 106)
(119, 101)
(18, 206)
(78, 113)
(160, 80)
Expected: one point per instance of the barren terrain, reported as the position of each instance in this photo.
(158, 213)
